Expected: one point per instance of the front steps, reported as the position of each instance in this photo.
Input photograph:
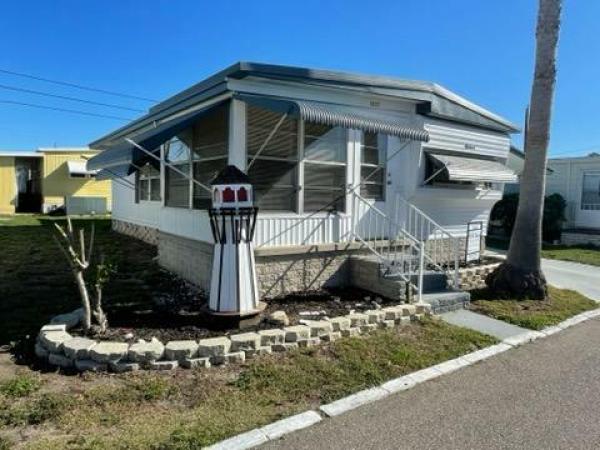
(366, 273)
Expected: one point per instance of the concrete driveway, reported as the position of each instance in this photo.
(539, 396)
(569, 275)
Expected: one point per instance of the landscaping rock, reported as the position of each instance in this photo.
(162, 365)
(279, 318)
(409, 310)
(375, 316)
(104, 352)
(368, 328)
(70, 320)
(40, 351)
(144, 352)
(393, 312)
(229, 358)
(123, 366)
(88, 365)
(296, 332)
(387, 324)
(423, 308)
(245, 341)
(270, 337)
(330, 337)
(53, 340)
(318, 327)
(56, 359)
(214, 347)
(404, 320)
(284, 347)
(350, 332)
(195, 363)
(55, 327)
(310, 342)
(78, 347)
(358, 319)
(180, 350)
(340, 323)
(258, 352)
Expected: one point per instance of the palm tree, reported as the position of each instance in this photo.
(520, 275)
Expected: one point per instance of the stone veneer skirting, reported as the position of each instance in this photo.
(57, 347)
(141, 232)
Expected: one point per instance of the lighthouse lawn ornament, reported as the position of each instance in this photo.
(233, 287)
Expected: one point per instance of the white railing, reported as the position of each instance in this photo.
(442, 249)
(273, 230)
(400, 253)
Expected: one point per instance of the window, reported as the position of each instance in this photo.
(372, 168)
(324, 167)
(274, 170)
(177, 186)
(209, 152)
(148, 184)
(437, 175)
(590, 192)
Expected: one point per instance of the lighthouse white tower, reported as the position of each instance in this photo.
(233, 287)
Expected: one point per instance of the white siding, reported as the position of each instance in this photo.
(465, 139)
(124, 207)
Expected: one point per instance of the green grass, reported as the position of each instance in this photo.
(580, 254)
(191, 409)
(20, 386)
(37, 284)
(533, 314)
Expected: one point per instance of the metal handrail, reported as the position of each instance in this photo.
(389, 243)
(417, 220)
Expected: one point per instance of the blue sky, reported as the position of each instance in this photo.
(482, 50)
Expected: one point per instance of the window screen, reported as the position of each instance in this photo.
(372, 168)
(590, 195)
(209, 151)
(177, 186)
(148, 184)
(274, 169)
(324, 167)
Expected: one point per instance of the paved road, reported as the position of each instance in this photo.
(570, 275)
(544, 395)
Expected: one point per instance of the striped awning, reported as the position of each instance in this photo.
(352, 117)
(463, 168)
(78, 168)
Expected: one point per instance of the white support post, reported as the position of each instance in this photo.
(237, 134)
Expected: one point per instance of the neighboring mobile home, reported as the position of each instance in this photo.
(341, 164)
(49, 178)
(577, 179)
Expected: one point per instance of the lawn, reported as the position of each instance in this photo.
(36, 283)
(584, 254)
(191, 409)
(533, 314)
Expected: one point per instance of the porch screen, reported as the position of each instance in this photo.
(324, 167)
(590, 192)
(177, 187)
(209, 151)
(273, 170)
(372, 168)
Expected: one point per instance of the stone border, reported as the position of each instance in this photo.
(57, 347)
(259, 436)
(473, 277)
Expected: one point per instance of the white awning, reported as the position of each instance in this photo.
(78, 168)
(462, 168)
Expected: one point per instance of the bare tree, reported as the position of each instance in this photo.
(79, 255)
(520, 275)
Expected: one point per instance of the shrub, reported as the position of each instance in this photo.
(554, 215)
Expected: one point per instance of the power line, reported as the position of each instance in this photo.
(64, 97)
(74, 111)
(77, 86)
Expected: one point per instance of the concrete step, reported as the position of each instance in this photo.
(447, 300)
(432, 281)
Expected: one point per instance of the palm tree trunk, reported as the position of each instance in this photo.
(521, 275)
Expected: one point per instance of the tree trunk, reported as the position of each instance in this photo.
(521, 275)
(99, 314)
(85, 300)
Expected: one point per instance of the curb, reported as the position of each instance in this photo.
(306, 419)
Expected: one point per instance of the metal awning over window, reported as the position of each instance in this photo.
(114, 172)
(352, 117)
(462, 168)
(126, 154)
(79, 169)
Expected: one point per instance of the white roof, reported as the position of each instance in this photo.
(79, 168)
(66, 149)
(20, 154)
